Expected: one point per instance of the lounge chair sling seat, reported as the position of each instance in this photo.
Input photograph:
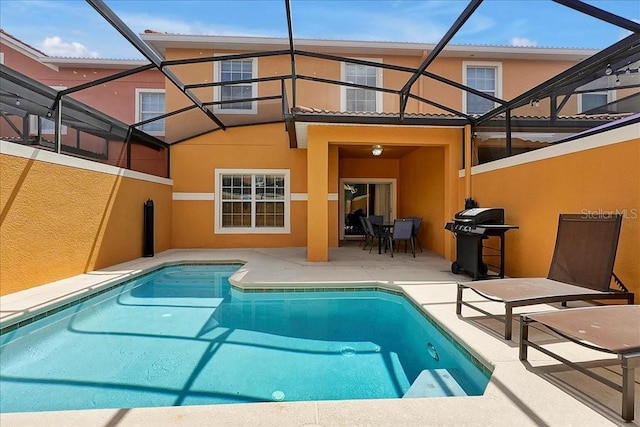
(613, 329)
(535, 289)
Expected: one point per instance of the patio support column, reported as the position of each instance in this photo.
(317, 193)
(452, 192)
(468, 160)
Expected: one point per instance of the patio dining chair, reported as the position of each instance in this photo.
(376, 220)
(581, 270)
(366, 237)
(417, 223)
(402, 231)
(373, 234)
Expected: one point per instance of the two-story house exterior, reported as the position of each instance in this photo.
(219, 200)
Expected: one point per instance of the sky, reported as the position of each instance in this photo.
(74, 29)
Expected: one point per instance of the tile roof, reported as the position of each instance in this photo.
(302, 110)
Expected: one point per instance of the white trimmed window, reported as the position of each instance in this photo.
(485, 77)
(233, 70)
(47, 126)
(354, 99)
(150, 103)
(252, 201)
(589, 101)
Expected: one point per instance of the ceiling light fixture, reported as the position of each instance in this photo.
(608, 70)
(376, 150)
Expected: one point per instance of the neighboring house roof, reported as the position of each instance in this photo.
(57, 61)
(94, 62)
(16, 42)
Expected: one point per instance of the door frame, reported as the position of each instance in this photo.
(341, 213)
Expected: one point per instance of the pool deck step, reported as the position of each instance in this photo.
(434, 383)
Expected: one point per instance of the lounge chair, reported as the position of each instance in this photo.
(581, 269)
(613, 329)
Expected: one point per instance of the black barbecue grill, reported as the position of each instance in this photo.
(471, 227)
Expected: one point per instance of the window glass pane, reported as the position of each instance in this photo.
(482, 79)
(478, 105)
(357, 99)
(242, 191)
(152, 105)
(593, 100)
(236, 214)
(234, 70)
(270, 214)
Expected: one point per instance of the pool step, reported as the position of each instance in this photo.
(434, 383)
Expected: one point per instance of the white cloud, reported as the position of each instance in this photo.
(54, 46)
(477, 24)
(522, 41)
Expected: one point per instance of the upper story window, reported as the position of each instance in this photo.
(252, 201)
(234, 70)
(47, 126)
(589, 101)
(485, 77)
(150, 103)
(358, 99)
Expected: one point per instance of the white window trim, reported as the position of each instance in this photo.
(218, 229)
(379, 83)
(138, 111)
(33, 120)
(216, 89)
(611, 96)
(496, 65)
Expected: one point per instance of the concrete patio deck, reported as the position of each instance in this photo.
(537, 393)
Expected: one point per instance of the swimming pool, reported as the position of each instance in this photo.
(182, 335)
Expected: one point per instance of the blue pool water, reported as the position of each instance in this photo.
(182, 336)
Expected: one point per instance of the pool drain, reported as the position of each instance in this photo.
(277, 395)
(348, 351)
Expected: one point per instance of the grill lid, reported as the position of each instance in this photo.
(476, 216)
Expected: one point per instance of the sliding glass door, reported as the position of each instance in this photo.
(364, 197)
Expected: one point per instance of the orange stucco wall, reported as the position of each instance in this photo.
(422, 192)
(193, 164)
(59, 221)
(598, 180)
